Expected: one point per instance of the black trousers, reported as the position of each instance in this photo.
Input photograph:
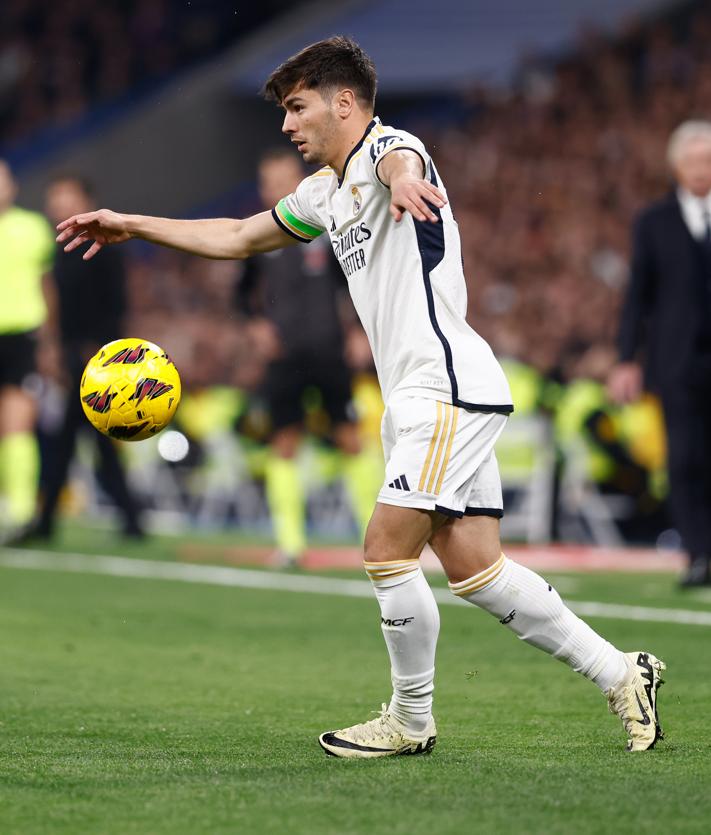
(688, 424)
(109, 473)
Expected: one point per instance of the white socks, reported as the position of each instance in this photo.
(519, 598)
(531, 608)
(410, 624)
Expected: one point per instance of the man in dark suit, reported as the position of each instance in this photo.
(667, 318)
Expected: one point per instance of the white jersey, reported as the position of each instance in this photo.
(406, 279)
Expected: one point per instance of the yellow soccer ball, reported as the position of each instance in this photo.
(130, 389)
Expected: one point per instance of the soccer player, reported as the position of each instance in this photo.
(380, 200)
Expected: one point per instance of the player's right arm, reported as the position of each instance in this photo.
(224, 238)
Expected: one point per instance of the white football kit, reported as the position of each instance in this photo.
(446, 395)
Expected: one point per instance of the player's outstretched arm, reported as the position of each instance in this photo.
(403, 171)
(225, 238)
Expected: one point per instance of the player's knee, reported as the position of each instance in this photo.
(375, 547)
(379, 546)
(396, 533)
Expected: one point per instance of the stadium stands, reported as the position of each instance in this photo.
(60, 60)
(545, 177)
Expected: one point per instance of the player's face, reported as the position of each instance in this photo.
(277, 178)
(311, 124)
(693, 167)
(8, 187)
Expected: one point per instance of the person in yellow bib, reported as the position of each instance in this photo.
(26, 250)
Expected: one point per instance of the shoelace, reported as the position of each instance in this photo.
(367, 730)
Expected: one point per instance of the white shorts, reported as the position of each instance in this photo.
(441, 457)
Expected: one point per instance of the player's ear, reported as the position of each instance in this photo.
(344, 102)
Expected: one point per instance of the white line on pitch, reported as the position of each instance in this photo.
(245, 578)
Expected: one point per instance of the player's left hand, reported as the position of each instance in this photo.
(103, 227)
(416, 196)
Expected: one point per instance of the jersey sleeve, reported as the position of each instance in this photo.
(395, 140)
(298, 213)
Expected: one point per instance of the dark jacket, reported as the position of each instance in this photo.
(91, 296)
(297, 289)
(667, 310)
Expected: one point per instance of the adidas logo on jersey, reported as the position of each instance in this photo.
(400, 483)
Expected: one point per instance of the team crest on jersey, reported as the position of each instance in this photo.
(357, 200)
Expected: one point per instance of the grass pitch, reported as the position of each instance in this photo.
(145, 706)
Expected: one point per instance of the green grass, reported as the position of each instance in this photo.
(131, 706)
(78, 537)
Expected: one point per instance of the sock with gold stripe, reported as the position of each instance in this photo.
(410, 624)
(532, 609)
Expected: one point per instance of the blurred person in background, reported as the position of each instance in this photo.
(91, 303)
(667, 318)
(620, 448)
(292, 297)
(26, 249)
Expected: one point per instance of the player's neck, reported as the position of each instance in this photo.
(352, 137)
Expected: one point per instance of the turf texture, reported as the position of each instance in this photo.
(143, 706)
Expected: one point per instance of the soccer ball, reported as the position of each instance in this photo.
(130, 389)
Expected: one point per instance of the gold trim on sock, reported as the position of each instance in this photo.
(391, 568)
(386, 569)
(391, 574)
(401, 566)
(478, 581)
(367, 563)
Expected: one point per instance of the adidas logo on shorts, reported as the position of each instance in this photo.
(400, 483)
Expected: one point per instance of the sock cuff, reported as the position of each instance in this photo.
(465, 587)
(391, 568)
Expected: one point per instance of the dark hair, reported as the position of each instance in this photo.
(83, 183)
(331, 63)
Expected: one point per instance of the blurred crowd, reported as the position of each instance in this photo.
(545, 180)
(58, 60)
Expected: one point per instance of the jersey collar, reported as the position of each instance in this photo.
(374, 121)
